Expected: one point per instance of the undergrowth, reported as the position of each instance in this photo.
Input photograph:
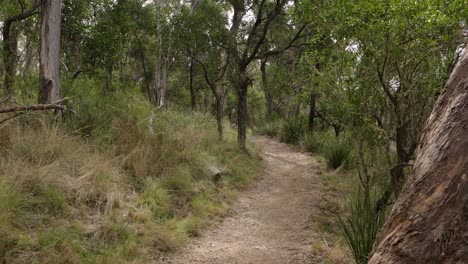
(117, 183)
(361, 224)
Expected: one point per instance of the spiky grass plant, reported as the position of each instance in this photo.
(337, 153)
(361, 226)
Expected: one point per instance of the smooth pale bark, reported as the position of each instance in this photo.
(266, 92)
(49, 67)
(28, 57)
(429, 222)
(193, 91)
(158, 90)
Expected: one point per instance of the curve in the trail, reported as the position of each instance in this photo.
(271, 222)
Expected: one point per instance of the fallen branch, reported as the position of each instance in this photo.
(59, 105)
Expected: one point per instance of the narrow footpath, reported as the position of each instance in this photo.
(271, 222)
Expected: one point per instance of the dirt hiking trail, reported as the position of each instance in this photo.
(271, 222)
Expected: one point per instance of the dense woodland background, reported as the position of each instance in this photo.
(140, 101)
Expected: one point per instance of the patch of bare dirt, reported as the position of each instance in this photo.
(271, 222)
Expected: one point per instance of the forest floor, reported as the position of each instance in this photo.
(273, 221)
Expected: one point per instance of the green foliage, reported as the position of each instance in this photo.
(362, 224)
(315, 142)
(271, 129)
(337, 152)
(293, 130)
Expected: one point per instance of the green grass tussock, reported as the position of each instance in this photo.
(361, 225)
(293, 130)
(337, 152)
(271, 129)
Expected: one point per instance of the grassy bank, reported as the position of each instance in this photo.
(117, 183)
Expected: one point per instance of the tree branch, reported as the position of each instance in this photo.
(59, 105)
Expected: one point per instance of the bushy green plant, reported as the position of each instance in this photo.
(293, 130)
(361, 226)
(315, 142)
(337, 153)
(271, 129)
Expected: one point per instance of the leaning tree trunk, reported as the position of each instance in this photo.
(429, 222)
(49, 78)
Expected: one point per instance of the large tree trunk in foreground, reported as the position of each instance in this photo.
(49, 79)
(429, 222)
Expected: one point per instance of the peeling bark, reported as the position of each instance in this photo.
(49, 78)
(429, 222)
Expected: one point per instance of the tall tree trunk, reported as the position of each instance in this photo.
(49, 79)
(242, 115)
(163, 86)
(313, 101)
(28, 57)
(158, 91)
(268, 97)
(219, 115)
(141, 52)
(157, 81)
(429, 222)
(193, 92)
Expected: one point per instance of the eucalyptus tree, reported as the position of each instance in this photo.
(428, 222)
(203, 32)
(247, 35)
(49, 65)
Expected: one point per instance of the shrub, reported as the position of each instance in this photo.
(337, 153)
(293, 130)
(271, 129)
(361, 226)
(315, 142)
